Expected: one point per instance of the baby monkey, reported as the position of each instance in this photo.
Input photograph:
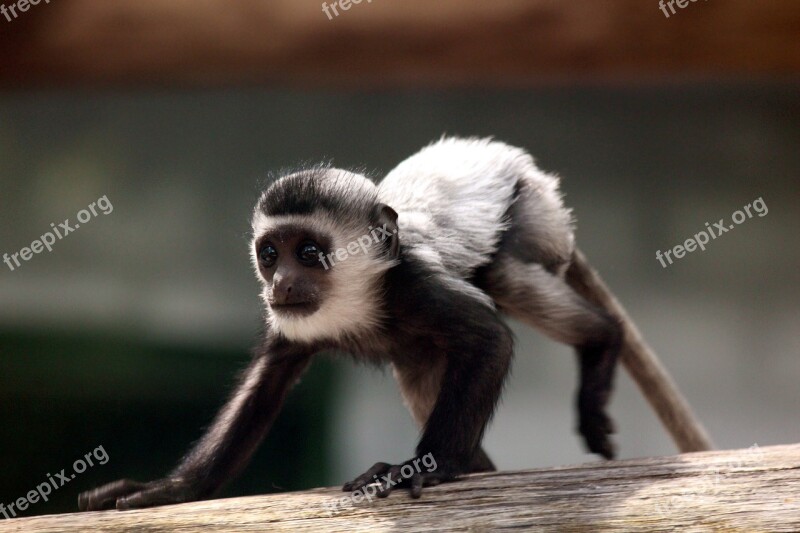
(415, 272)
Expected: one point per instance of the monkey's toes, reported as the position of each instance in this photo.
(105, 497)
(596, 428)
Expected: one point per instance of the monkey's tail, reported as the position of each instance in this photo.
(642, 363)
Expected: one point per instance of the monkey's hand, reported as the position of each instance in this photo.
(411, 475)
(128, 494)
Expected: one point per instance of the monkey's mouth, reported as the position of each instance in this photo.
(299, 309)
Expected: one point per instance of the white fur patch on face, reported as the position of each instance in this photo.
(353, 304)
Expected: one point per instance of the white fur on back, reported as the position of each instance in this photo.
(452, 197)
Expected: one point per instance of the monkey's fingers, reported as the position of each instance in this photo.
(105, 497)
(162, 492)
(367, 477)
(394, 480)
(390, 481)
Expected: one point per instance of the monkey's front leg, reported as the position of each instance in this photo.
(225, 448)
(478, 361)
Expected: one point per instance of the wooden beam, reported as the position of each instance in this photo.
(390, 43)
(756, 489)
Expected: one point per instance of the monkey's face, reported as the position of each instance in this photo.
(321, 246)
(291, 261)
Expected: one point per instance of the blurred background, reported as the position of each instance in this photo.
(130, 333)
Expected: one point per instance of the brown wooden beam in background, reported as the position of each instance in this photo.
(386, 43)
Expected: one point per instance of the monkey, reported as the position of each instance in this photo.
(462, 234)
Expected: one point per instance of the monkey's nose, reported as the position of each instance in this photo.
(282, 293)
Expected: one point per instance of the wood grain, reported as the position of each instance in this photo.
(750, 491)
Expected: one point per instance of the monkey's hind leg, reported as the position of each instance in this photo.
(532, 294)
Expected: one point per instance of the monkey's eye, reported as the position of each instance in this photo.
(268, 255)
(308, 253)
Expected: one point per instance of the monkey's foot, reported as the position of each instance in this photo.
(596, 426)
(414, 474)
(129, 494)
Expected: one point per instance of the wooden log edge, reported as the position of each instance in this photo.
(748, 490)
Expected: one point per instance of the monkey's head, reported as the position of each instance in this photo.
(321, 244)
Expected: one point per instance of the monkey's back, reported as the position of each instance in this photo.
(454, 198)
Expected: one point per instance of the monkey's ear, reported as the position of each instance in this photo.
(387, 219)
